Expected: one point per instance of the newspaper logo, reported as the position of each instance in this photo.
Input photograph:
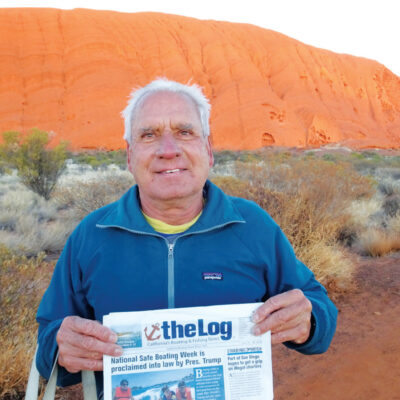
(152, 333)
(168, 330)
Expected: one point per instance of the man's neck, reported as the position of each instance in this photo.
(174, 212)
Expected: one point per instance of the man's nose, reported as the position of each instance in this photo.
(169, 147)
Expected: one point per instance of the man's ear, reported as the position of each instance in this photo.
(210, 152)
(129, 157)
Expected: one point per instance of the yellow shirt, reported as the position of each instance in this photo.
(163, 227)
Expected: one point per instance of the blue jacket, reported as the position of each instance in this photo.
(114, 261)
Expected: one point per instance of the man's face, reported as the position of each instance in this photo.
(169, 157)
(168, 394)
(182, 389)
(124, 386)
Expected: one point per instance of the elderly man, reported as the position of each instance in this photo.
(174, 229)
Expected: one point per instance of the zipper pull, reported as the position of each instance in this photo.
(170, 249)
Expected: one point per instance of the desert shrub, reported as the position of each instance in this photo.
(394, 224)
(22, 283)
(228, 156)
(101, 159)
(329, 157)
(30, 224)
(83, 197)
(326, 186)
(364, 213)
(19, 201)
(225, 156)
(386, 188)
(38, 166)
(377, 242)
(391, 205)
(30, 236)
(307, 199)
(374, 227)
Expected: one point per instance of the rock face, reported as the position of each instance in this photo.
(71, 72)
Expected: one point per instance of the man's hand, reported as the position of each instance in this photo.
(286, 315)
(82, 343)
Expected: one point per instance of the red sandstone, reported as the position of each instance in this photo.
(71, 72)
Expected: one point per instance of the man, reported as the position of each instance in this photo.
(173, 229)
(183, 392)
(123, 392)
(167, 393)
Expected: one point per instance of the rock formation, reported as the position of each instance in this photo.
(71, 72)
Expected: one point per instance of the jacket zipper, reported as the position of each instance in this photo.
(170, 246)
(171, 276)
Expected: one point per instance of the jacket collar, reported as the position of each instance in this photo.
(218, 211)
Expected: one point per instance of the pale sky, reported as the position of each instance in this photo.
(365, 28)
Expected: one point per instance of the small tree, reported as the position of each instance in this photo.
(38, 166)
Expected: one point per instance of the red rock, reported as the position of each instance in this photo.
(71, 71)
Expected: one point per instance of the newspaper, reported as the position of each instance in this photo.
(204, 353)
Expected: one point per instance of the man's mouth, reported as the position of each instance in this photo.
(172, 171)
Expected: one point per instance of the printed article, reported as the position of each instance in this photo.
(198, 353)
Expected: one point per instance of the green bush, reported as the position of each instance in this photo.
(38, 166)
(101, 159)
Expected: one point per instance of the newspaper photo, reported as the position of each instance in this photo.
(198, 353)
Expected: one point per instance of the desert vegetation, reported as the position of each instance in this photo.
(333, 206)
(37, 165)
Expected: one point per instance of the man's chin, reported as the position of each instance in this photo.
(175, 194)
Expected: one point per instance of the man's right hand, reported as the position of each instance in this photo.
(82, 344)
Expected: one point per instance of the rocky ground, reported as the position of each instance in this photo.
(363, 361)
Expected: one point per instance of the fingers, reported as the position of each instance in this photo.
(76, 364)
(90, 328)
(88, 336)
(276, 303)
(298, 335)
(82, 344)
(286, 315)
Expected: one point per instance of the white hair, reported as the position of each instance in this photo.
(194, 92)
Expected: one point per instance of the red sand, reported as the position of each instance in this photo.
(363, 361)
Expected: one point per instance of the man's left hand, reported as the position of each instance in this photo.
(287, 315)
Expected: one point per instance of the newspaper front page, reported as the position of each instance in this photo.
(198, 353)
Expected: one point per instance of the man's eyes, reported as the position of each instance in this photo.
(179, 134)
(185, 133)
(147, 135)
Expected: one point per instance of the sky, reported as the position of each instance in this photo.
(365, 28)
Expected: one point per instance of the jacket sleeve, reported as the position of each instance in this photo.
(63, 297)
(292, 273)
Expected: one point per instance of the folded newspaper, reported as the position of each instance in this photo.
(198, 353)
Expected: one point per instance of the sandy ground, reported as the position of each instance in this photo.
(363, 361)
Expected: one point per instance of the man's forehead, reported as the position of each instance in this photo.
(161, 104)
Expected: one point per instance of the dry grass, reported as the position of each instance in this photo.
(29, 224)
(22, 283)
(375, 231)
(362, 210)
(308, 199)
(378, 242)
(83, 197)
(29, 236)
